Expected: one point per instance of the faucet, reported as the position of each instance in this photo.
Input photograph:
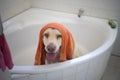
(1, 26)
(81, 11)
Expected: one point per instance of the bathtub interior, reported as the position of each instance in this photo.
(23, 32)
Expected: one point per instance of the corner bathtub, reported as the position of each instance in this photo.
(95, 35)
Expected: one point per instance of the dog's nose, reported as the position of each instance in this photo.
(51, 47)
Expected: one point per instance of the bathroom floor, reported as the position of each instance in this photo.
(112, 71)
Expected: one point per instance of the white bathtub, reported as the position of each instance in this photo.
(93, 34)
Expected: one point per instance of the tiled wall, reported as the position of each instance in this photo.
(10, 8)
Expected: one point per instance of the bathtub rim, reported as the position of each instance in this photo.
(52, 67)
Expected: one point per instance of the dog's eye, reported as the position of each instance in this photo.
(59, 36)
(46, 35)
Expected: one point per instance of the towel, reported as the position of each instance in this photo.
(67, 47)
(5, 55)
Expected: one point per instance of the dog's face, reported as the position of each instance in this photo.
(52, 39)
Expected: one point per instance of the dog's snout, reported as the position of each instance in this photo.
(51, 47)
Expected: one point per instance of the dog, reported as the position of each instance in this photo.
(52, 40)
(56, 44)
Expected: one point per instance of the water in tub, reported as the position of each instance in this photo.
(28, 55)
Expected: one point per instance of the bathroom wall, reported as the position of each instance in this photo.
(99, 8)
(116, 50)
(10, 8)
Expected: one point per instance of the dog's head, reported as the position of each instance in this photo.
(52, 39)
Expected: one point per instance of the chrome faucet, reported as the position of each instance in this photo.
(81, 11)
(1, 26)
